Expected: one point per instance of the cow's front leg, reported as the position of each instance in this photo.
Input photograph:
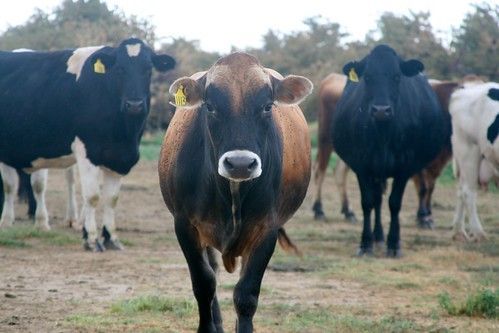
(10, 186)
(395, 203)
(203, 277)
(39, 184)
(111, 184)
(89, 177)
(247, 289)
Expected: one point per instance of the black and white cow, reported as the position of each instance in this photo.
(86, 106)
(475, 143)
(388, 124)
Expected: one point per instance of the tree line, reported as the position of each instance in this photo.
(321, 48)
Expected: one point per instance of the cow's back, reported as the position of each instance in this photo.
(330, 92)
(296, 159)
(35, 98)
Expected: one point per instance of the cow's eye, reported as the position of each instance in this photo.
(268, 108)
(210, 108)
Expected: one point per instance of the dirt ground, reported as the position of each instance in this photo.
(50, 286)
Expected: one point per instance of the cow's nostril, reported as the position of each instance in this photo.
(227, 164)
(253, 165)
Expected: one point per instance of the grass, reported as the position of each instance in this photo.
(150, 146)
(296, 318)
(146, 313)
(19, 237)
(484, 303)
(150, 303)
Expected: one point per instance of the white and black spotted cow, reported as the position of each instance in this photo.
(86, 106)
(475, 143)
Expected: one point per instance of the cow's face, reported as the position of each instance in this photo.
(237, 97)
(127, 70)
(381, 73)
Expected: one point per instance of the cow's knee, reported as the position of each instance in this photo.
(93, 200)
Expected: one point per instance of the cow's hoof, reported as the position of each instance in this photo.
(95, 246)
(113, 245)
(320, 216)
(425, 222)
(460, 236)
(365, 252)
(477, 236)
(350, 217)
(44, 226)
(393, 253)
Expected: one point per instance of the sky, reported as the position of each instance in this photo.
(220, 24)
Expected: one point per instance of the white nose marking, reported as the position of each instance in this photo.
(242, 172)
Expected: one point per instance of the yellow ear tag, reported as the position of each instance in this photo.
(99, 67)
(352, 75)
(180, 98)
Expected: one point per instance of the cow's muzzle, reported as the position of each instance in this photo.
(381, 112)
(134, 106)
(239, 165)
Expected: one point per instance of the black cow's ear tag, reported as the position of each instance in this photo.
(352, 75)
(99, 67)
(180, 98)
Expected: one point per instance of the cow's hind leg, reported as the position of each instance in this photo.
(323, 155)
(395, 203)
(111, 184)
(423, 216)
(202, 275)
(10, 186)
(39, 184)
(340, 175)
(247, 290)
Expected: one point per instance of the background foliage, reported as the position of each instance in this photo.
(323, 47)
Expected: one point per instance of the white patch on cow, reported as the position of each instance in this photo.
(472, 113)
(133, 50)
(90, 188)
(39, 184)
(77, 60)
(22, 50)
(72, 206)
(10, 186)
(62, 162)
(222, 170)
(111, 184)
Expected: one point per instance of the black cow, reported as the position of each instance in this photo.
(388, 124)
(86, 106)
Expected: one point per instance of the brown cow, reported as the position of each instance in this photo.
(330, 92)
(234, 167)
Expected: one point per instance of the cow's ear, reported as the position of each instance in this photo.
(292, 89)
(411, 67)
(186, 92)
(101, 62)
(353, 70)
(163, 62)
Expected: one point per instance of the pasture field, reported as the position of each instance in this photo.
(48, 284)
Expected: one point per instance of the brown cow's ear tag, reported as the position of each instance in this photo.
(99, 67)
(352, 75)
(180, 98)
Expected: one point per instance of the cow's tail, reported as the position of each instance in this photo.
(286, 243)
(25, 192)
